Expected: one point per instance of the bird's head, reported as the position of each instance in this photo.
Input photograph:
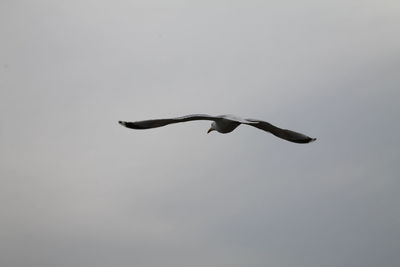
(212, 128)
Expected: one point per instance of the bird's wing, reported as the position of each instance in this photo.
(281, 133)
(147, 124)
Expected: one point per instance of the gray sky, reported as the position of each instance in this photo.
(76, 189)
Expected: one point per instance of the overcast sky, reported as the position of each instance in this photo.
(77, 189)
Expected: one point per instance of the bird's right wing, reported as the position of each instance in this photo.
(148, 124)
(288, 135)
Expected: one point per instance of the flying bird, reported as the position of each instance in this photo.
(223, 124)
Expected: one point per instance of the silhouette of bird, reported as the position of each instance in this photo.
(223, 124)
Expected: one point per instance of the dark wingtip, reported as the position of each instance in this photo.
(132, 125)
(303, 141)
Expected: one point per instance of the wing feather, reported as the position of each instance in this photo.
(286, 134)
(148, 124)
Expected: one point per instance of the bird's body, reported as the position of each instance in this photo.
(226, 123)
(223, 124)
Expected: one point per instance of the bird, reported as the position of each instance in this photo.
(223, 124)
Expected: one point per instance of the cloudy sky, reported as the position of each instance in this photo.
(77, 189)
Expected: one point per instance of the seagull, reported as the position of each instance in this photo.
(223, 124)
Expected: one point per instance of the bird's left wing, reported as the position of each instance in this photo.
(286, 134)
(148, 124)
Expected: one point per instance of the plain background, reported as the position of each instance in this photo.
(76, 189)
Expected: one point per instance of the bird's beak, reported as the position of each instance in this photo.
(210, 130)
